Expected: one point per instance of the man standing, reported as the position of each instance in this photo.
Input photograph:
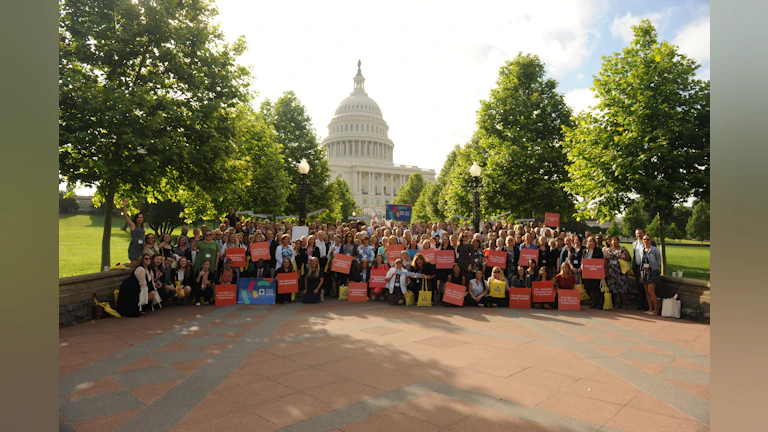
(232, 217)
(272, 248)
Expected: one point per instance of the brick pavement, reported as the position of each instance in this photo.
(368, 367)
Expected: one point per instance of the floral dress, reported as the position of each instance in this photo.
(647, 274)
(616, 280)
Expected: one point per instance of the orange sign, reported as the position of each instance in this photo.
(568, 299)
(520, 298)
(393, 253)
(454, 293)
(552, 220)
(226, 295)
(429, 254)
(527, 255)
(445, 259)
(358, 292)
(341, 263)
(259, 251)
(543, 291)
(498, 259)
(287, 283)
(378, 277)
(592, 268)
(237, 255)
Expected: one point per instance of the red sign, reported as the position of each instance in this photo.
(259, 251)
(226, 295)
(543, 291)
(592, 268)
(237, 255)
(341, 263)
(287, 283)
(527, 255)
(569, 299)
(358, 292)
(498, 259)
(454, 293)
(445, 259)
(378, 277)
(552, 220)
(429, 255)
(520, 298)
(393, 253)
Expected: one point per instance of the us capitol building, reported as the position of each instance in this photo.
(359, 151)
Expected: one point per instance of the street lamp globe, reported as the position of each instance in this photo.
(474, 170)
(303, 167)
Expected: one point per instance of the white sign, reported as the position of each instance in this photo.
(299, 231)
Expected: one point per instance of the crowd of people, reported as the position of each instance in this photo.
(188, 267)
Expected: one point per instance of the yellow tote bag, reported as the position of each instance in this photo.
(498, 289)
(607, 300)
(626, 267)
(343, 292)
(409, 298)
(584, 295)
(425, 295)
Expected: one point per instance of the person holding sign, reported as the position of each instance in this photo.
(441, 275)
(593, 285)
(397, 284)
(286, 267)
(575, 257)
(542, 277)
(313, 282)
(378, 293)
(421, 270)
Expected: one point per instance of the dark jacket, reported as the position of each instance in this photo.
(302, 260)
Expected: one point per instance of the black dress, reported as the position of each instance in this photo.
(287, 297)
(128, 296)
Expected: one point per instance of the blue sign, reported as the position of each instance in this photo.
(256, 291)
(399, 212)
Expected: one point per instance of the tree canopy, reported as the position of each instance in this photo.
(649, 135)
(409, 193)
(147, 95)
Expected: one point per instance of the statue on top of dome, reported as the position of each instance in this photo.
(358, 67)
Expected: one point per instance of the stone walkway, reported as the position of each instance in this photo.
(359, 367)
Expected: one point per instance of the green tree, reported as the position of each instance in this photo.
(673, 232)
(698, 224)
(342, 203)
(441, 183)
(651, 136)
(68, 202)
(614, 229)
(409, 193)
(680, 217)
(520, 129)
(299, 140)
(163, 217)
(146, 92)
(653, 228)
(425, 207)
(634, 218)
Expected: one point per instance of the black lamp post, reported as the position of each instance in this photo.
(303, 170)
(474, 170)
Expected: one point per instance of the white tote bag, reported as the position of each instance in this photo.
(670, 307)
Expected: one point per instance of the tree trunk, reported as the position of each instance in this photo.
(109, 204)
(663, 245)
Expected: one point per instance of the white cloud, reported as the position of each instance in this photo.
(426, 65)
(581, 100)
(621, 27)
(693, 40)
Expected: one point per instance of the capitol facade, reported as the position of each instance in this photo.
(360, 152)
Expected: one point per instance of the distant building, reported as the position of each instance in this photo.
(359, 151)
(85, 203)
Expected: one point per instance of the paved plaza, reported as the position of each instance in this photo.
(357, 367)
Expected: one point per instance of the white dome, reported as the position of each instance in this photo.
(358, 102)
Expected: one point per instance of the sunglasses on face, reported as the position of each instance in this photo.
(646, 239)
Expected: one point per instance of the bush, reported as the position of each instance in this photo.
(68, 203)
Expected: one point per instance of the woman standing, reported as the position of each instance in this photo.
(544, 256)
(284, 250)
(136, 225)
(286, 266)
(397, 283)
(478, 258)
(575, 256)
(593, 285)
(618, 282)
(365, 251)
(441, 275)
(313, 282)
(182, 246)
(203, 283)
(413, 248)
(649, 274)
(134, 291)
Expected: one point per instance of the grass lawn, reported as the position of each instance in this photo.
(80, 243)
(692, 261)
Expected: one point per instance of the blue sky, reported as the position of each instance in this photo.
(429, 63)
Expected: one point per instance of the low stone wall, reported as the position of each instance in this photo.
(692, 293)
(76, 294)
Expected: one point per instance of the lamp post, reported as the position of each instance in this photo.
(303, 170)
(474, 171)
